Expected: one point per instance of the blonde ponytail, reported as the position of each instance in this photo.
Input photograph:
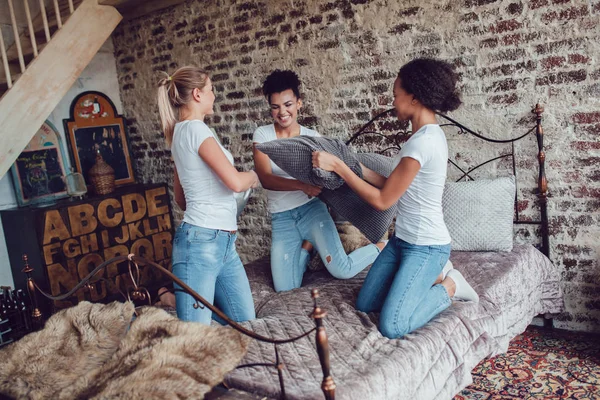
(174, 92)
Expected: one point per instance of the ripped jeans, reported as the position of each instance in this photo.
(312, 222)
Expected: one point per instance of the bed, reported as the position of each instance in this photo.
(320, 346)
(434, 362)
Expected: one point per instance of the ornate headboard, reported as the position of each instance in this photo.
(394, 143)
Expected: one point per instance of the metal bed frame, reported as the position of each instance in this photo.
(141, 294)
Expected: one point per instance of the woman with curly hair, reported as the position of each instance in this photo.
(299, 219)
(406, 283)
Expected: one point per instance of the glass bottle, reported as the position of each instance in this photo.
(75, 184)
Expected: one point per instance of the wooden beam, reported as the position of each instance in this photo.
(48, 78)
(137, 8)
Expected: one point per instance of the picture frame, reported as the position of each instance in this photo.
(39, 172)
(93, 126)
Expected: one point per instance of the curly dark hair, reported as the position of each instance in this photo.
(432, 82)
(279, 80)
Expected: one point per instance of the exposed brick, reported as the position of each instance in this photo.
(488, 43)
(585, 146)
(553, 47)
(591, 129)
(236, 95)
(317, 19)
(469, 17)
(301, 24)
(519, 38)
(242, 28)
(296, 13)
(220, 77)
(328, 7)
(272, 43)
(476, 3)
(510, 54)
(277, 19)
(180, 25)
(329, 44)
(515, 8)
(381, 88)
(158, 31)
(383, 75)
(586, 118)
(300, 62)
(238, 19)
(503, 85)
(562, 77)
(348, 13)
(400, 29)
(409, 12)
(504, 99)
(589, 161)
(261, 34)
(578, 59)
(553, 62)
(504, 26)
(568, 14)
(126, 60)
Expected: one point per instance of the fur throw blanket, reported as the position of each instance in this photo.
(94, 351)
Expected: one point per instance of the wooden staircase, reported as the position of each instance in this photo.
(48, 55)
(43, 63)
(43, 27)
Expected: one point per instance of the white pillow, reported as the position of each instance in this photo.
(479, 214)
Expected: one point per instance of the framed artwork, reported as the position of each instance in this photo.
(94, 125)
(39, 172)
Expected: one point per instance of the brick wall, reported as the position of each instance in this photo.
(510, 55)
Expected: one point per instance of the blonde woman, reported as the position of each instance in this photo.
(204, 253)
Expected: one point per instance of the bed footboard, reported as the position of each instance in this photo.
(139, 293)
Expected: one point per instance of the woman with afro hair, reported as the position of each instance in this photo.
(406, 282)
(299, 219)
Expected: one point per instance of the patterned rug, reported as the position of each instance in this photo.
(540, 364)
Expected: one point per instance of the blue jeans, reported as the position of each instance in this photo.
(400, 285)
(312, 222)
(206, 260)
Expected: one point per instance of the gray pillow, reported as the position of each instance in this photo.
(479, 214)
(294, 156)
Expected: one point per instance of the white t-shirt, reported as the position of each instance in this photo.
(209, 203)
(420, 219)
(279, 201)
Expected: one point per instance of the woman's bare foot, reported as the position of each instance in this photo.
(462, 289)
(166, 298)
(445, 271)
(306, 245)
(381, 245)
(450, 286)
